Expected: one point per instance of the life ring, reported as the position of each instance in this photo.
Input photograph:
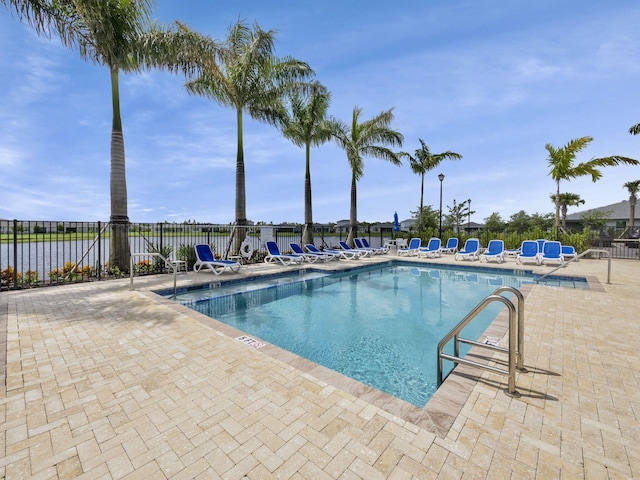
(245, 250)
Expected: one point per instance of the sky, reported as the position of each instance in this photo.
(494, 81)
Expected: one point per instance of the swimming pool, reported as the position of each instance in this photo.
(378, 324)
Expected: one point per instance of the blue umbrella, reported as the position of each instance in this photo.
(396, 226)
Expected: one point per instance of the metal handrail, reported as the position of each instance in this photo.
(516, 333)
(166, 262)
(575, 259)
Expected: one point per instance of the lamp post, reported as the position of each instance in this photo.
(469, 218)
(441, 178)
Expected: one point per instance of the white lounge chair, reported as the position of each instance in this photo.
(470, 251)
(309, 257)
(432, 249)
(528, 252)
(412, 249)
(274, 255)
(363, 253)
(551, 252)
(329, 255)
(494, 251)
(451, 246)
(569, 253)
(206, 259)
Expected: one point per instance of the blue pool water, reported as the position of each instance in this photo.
(379, 325)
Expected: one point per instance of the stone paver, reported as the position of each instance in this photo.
(105, 382)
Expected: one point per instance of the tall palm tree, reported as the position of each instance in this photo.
(562, 168)
(566, 200)
(635, 130)
(306, 127)
(632, 188)
(423, 161)
(361, 139)
(247, 77)
(43, 16)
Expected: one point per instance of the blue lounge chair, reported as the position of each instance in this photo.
(528, 252)
(494, 251)
(345, 254)
(309, 257)
(274, 255)
(432, 249)
(551, 252)
(363, 253)
(328, 255)
(471, 250)
(412, 248)
(360, 246)
(206, 259)
(451, 246)
(569, 253)
(378, 250)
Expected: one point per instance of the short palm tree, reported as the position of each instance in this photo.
(246, 76)
(561, 163)
(368, 138)
(566, 200)
(423, 161)
(308, 126)
(632, 188)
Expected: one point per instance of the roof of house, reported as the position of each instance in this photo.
(616, 211)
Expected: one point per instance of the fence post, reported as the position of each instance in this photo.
(15, 253)
(99, 250)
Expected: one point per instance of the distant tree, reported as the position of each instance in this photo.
(430, 217)
(520, 221)
(632, 188)
(361, 139)
(541, 221)
(457, 214)
(494, 223)
(246, 76)
(562, 168)
(566, 200)
(595, 219)
(308, 126)
(423, 161)
(635, 130)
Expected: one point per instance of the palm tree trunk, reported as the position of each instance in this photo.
(119, 251)
(241, 201)
(307, 234)
(632, 212)
(564, 217)
(421, 203)
(557, 204)
(353, 216)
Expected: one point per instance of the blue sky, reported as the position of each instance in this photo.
(492, 80)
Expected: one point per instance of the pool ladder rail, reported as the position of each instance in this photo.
(515, 349)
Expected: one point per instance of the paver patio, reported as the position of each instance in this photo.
(105, 382)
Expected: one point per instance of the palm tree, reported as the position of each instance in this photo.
(117, 34)
(632, 188)
(423, 161)
(247, 77)
(366, 138)
(562, 167)
(44, 17)
(635, 130)
(566, 200)
(306, 127)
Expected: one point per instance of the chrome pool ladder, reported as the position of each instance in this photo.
(515, 349)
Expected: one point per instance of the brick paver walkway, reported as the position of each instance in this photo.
(104, 382)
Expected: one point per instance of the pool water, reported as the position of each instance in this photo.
(379, 325)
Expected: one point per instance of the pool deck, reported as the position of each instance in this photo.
(104, 382)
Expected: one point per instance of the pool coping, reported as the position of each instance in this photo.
(439, 413)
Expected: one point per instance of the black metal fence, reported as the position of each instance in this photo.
(38, 253)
